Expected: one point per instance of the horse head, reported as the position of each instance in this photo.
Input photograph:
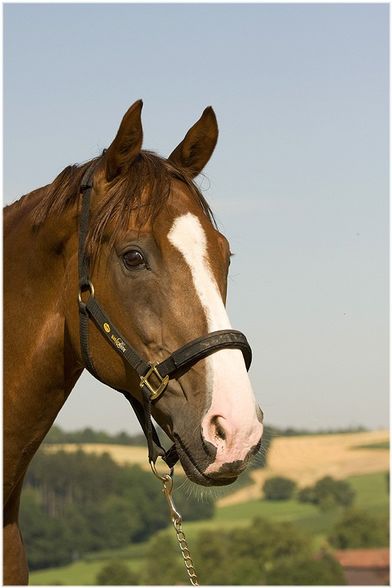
(159, 268)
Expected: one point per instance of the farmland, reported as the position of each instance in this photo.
(360, 458)
(371, 494)
(304, 459)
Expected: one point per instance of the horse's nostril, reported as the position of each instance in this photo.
(217, 429)
(220, 433)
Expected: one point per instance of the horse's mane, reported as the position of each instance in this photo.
(149, 174)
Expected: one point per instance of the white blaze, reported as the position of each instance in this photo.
(232, 397)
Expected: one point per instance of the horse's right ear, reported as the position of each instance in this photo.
(127, 143)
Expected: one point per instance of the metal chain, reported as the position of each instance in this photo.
(182, 542)
(167, 481)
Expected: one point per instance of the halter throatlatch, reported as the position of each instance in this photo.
(154, 376)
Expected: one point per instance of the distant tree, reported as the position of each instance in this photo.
(357, 528)
(56, 435)
(118, 522)
(164, 564)
(238, 557)
(123, 438)
(324, 571)
(279, 488)
(262, 553)
(88, 435)
(307, 495)
(193, 508)
(75, 503)
(116, 573)
(243, 555)
(48, 541)
(328, 493)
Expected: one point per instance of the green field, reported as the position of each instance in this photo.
(371, 495)
(84, 572)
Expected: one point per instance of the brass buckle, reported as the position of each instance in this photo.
(163, 382)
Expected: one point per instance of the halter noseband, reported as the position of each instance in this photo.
(154, 376)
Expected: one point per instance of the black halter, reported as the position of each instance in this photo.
(154, 377)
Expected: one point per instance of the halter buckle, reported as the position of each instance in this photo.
(85, 286)
(163, 382)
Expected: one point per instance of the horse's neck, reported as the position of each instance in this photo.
(40, 368)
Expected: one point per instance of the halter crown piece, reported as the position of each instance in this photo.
(154, 376)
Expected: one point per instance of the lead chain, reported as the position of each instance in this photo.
(176, 518)
(182, 542)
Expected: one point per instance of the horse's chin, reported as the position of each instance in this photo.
(194, 474)
(202, 480)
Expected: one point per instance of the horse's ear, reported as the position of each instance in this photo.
(127, 143)
(196, 148)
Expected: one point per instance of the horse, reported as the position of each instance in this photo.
(159, 265)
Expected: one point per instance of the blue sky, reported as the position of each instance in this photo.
(298, 182)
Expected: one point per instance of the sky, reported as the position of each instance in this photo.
(298, 181)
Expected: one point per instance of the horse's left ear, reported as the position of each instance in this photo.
(127, 143)
(196, 148)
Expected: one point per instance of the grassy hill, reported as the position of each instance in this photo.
(306, 459)
(361, 458)
(371, 494)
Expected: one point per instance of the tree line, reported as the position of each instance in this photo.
(88, 435)
(74, 503)
(262, 553)
(326, 493)
(57, 435)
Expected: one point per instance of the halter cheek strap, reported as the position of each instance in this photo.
(154, 376)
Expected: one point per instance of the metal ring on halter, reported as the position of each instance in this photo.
(87, 286)
(165, 477)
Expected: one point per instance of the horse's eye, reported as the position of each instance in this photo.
(133, 259)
